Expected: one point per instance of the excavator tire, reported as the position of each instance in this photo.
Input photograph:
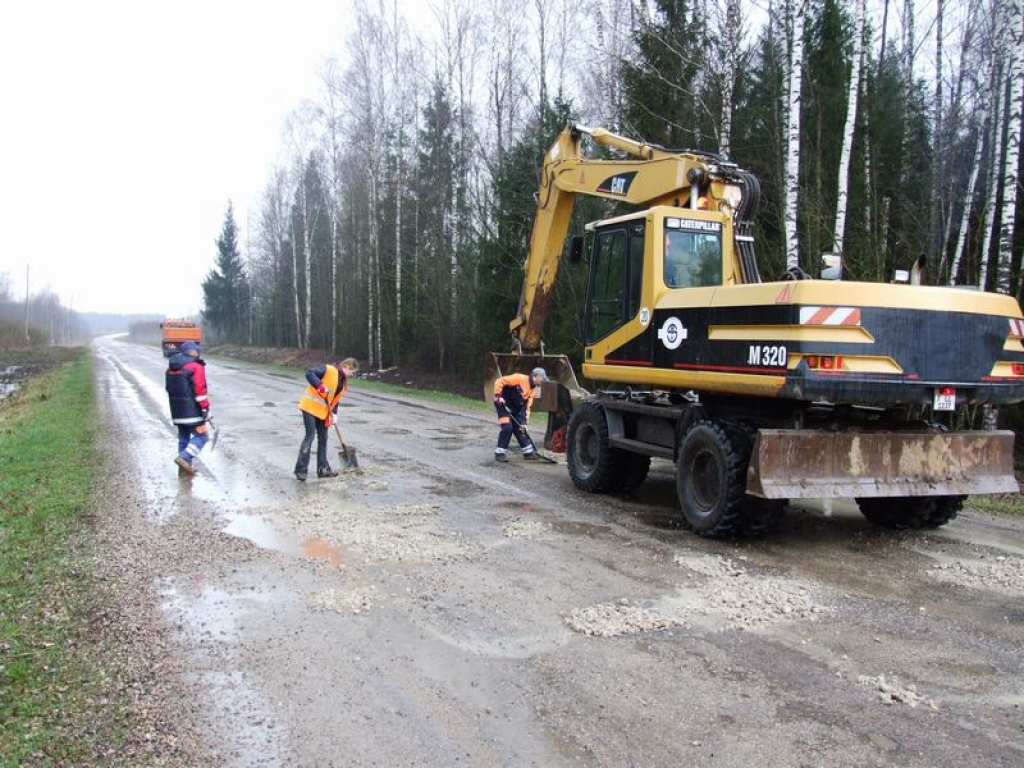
(910, 512)
(711, 471)
(593, 465)
(760, 516)
(635, 467)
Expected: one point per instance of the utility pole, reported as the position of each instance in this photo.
(28, 340)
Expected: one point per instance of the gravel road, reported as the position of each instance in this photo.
(434, 608)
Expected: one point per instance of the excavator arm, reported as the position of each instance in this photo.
(653, 176)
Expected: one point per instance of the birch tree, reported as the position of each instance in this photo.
(732, 38)
(842, 197)
(1014, 21)
(797, 11)
(998, 44)
(332, 115)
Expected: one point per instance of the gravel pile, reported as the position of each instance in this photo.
(1003, 574)
(613, 619)
(726, 596)
(402, 533)
(345, 600)
(731, 595)
(524, 528)
(891, 692)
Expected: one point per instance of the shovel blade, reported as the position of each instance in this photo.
(348, 457)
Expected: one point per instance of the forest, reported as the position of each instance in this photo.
(396, 224)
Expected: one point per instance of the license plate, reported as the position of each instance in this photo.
(945, 400)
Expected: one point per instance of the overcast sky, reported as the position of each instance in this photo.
(127, 125)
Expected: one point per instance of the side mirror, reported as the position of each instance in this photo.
(576, 249)
(831, 266)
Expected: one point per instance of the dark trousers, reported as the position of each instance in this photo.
(314, 427)
(515, 407)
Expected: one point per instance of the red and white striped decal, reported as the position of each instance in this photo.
(829, 316)
(1016, 328)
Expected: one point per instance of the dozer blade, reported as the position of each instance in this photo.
(800, 464)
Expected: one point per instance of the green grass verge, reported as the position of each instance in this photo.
(1009, 504)
(48, 434)
(443, 398)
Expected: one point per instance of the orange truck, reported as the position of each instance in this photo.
(175, 332)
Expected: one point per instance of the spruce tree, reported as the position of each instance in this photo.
(225, 291)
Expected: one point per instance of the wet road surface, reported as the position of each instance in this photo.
(437, 608)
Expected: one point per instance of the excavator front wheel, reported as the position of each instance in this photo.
(711, 470)
(590, 459)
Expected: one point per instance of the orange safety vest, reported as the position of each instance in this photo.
(312, 403)
(525, 383)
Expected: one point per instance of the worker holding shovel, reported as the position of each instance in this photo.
(513, 397)
(327, 385)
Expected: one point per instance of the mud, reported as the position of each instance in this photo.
(434, 607)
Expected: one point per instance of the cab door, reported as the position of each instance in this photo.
(616, 279)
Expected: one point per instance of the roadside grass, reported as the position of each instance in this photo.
(367, 382)
(48, 687)
(1008, 504)
(443, 398)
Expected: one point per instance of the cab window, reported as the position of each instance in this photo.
(692, 259)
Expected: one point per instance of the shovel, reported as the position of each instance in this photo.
(521, 428)
(215, 436)
(347, 454)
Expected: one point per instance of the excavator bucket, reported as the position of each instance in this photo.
(794, 464)
(557, 394)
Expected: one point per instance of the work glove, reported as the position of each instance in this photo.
(328, 420)
(205, 413)
(322, 391)
(499, 401)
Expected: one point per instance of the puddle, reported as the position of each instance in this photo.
(315, 549)
(205, 609)
(579, 529)
(258, 531)
(7, 384)
(518, 506)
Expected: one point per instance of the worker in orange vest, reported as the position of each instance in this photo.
(513, 397)
(327, 385)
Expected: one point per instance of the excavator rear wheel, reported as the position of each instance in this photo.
(711, 471)
(635, 467)
(911, 512)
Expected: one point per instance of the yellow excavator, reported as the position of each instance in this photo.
(758, 391)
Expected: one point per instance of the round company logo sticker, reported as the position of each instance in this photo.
(672, 333)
